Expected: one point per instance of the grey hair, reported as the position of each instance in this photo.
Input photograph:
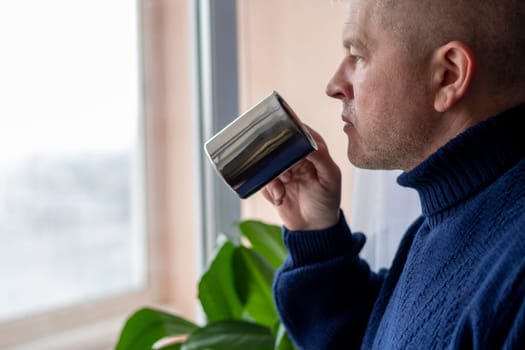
(493, 29)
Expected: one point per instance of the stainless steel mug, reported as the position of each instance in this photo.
(259, 145)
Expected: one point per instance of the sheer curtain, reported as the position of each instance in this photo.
(382, 210)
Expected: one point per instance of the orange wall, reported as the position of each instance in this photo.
(293, 47)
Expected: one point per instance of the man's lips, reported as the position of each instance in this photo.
(347, 122)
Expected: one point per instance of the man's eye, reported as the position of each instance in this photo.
(354, 58)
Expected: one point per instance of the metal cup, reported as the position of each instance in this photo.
(259, 145)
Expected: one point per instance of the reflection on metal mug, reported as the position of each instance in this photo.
(259, 145)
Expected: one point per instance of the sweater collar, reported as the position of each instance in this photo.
(469, 162)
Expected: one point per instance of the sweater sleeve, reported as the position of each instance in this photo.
(324, 292)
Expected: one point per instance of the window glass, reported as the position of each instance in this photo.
(70, 164)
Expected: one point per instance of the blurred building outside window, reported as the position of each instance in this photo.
(71, 191)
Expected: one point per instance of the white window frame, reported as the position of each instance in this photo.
(216, 105)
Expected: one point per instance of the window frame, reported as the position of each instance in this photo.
(217, 104)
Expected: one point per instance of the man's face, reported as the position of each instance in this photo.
(384, 89)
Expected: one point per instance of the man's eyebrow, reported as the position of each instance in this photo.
(353, 42)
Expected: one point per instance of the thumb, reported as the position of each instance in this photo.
(321, 159)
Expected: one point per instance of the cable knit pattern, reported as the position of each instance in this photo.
(458, 279)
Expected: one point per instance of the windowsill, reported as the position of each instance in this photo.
(97, 335)
(101, 335)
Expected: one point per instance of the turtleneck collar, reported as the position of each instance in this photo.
(469, 162)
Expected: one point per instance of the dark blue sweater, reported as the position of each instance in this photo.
(458, 278)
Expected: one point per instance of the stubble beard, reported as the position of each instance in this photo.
(384, 149)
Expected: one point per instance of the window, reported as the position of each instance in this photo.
(103, 104)
(71, 184)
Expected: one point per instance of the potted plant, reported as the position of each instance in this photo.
(235, 295)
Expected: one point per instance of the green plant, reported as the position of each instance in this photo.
(235, 294)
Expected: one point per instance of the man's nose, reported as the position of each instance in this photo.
(339, 86)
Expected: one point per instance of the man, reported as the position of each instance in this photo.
(437, 89)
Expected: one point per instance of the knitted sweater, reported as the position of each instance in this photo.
(458, 278)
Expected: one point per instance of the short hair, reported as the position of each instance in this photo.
(493, 29)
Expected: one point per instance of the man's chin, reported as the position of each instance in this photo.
(370, 163)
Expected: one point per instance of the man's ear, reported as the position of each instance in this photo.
(452, 70)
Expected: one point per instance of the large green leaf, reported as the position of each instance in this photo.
(265, 239)
(253, 281)
(217, 292)
(230, 335)
(147, 326)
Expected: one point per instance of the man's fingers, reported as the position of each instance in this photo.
(274, 192)
(321, 158)
(286, 176)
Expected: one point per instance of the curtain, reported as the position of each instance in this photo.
(382, 210)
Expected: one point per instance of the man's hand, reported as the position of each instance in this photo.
(308, 195)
